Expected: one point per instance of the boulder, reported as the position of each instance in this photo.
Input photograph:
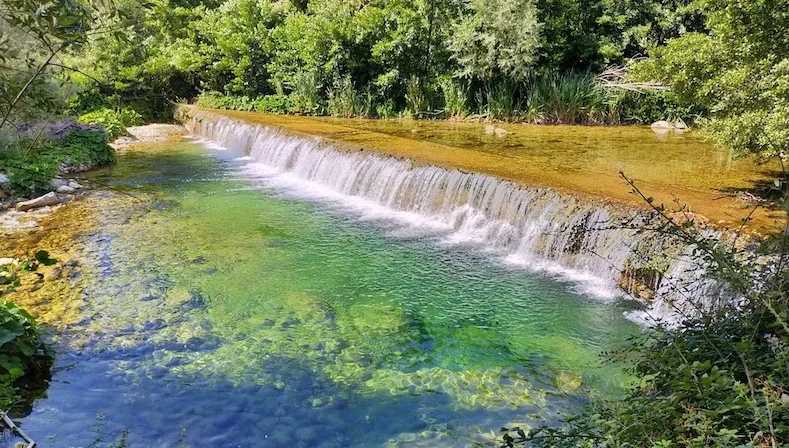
(42, 201)
(58, 182)
(67, 189)
(74, 184)
(658, 125)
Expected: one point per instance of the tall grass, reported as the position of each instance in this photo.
(342, 98)
(455, 98)
(551, 98)
(345, 101)
(305, 97)
(565, 98)
(416, 99)
(500, 102)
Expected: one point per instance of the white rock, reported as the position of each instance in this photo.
(4, 179)
(6, 261)
(66, 189)
(74, 184)
(662, 125)
(42, 201)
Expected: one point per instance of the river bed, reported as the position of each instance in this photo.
(225, 307)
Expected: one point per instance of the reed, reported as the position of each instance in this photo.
(455, 98)
(305, 97)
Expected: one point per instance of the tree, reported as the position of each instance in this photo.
(32, 38)
(496, 38)
(738, 72)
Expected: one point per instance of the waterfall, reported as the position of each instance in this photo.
(537, 228)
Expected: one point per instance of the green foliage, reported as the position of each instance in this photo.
(718, 377)
(416, 99)
(496, 38)
(737, 73)
(22, 353)
(342, 99)
(305, 94)
(499, 102)
(455, 98)
(18, 342)
(277, 104)
(31, 164)
(113, 121)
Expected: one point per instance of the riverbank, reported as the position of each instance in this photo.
(674, 169)
(44, 268)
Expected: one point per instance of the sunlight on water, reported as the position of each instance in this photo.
(224, 310)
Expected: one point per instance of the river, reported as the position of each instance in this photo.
(229, 303)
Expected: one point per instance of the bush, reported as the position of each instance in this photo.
(305, 94)
(276, 104)
(32, 163)
(22, 354)
(455, 99)
(719, 377)
(113, 121)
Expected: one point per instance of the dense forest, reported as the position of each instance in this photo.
(717, 379)
(720, 63)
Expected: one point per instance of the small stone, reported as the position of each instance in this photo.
(4, 180)
(6, 261)
(65, 189)
(42, 201)
(500, 132)
(75, 185)
(490, 129)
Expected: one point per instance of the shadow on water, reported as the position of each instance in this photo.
(765, 192)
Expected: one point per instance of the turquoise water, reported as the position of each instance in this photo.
(224, 311)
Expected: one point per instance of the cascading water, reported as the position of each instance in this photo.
(538, 228)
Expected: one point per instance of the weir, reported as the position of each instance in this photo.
(589, 241)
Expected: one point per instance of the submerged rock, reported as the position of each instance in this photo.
(42, 201)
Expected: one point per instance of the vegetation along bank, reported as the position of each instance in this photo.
(719, 377)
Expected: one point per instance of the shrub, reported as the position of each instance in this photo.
(416, 98)
(455, 98)
(113, 121)
(342, 100)
(386, 109)
(305, 94)
(22, 353)
(717, 377)
(276, 104)
(31, 163)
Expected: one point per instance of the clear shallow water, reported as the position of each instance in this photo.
(224, 311)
